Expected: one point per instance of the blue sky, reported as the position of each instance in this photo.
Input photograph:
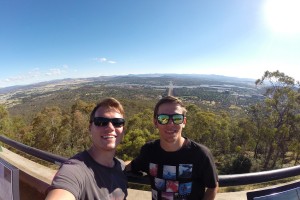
(44, 40)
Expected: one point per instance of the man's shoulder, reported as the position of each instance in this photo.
(72, 169)
(152, 143)
(197, 146)
(80, 156)
(76, 161)
(120, 162)
(150, 146)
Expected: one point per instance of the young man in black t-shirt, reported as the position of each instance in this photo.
(178, 167)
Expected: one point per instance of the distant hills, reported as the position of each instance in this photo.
(138, 90)
(203, 76)
(118, 78)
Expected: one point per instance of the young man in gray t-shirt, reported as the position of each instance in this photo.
(95, 173)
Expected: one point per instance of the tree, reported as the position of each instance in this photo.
(79, 137)
(49, 131)
(241, 140)
(209, 129)
(83, 107)
(238, 165)
(281, 109)
(4, 121)
(139, 130)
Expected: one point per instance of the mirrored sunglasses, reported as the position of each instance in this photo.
(165, 118)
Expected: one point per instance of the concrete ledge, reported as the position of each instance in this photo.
(31, 168)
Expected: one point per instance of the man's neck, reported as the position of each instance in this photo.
(172, 147)
(104, 158)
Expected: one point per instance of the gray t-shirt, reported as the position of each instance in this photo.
(88, 180)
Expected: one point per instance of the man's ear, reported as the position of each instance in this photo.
(155, 122)
(184, 122)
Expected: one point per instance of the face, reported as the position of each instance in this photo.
(170, 132)
(106, 137)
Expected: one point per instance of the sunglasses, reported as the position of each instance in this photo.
(102, 121)
(164, 119)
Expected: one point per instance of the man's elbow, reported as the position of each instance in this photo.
(211, 193)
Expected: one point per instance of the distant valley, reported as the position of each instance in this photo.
(205, 90)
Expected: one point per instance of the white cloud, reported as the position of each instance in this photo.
(35, 75)
(105, 60)
(15, 78)
(102, 59)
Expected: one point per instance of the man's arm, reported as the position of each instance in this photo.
(60, 194)
(211, 193)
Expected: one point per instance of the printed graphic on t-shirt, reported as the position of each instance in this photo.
(171, 182)
(185, 188)
(172, 186)
(153, 169)
(185, 170)
(169, 172)
(167, 196)
(154, 194)
(160, 184)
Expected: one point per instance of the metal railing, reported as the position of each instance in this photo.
(224, 180)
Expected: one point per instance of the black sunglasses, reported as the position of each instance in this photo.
(103, 121)
(165, 118)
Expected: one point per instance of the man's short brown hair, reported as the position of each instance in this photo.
(107, 103)
(169, 99)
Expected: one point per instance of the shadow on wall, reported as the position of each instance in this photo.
(31, 188)
(28, 193)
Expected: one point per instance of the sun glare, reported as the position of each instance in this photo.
(283, 16)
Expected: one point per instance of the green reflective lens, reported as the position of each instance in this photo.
(164, 118)
(177, 119)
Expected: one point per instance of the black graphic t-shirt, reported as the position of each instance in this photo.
(183, 174)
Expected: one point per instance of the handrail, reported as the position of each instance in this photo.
(224, 180)
(258, 177)
(52, 158)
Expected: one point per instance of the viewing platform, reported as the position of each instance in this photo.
(35, 178)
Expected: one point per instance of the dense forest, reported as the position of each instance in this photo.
(244, 135)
